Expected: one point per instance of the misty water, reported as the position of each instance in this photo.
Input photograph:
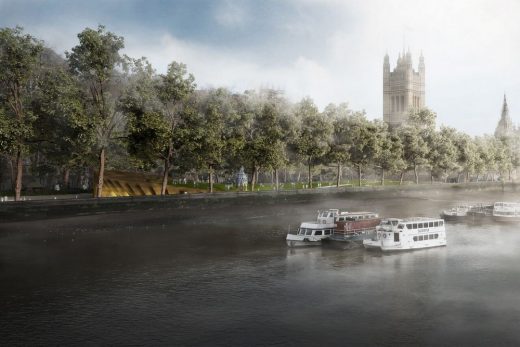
(224, 276)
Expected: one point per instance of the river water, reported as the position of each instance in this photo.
(226, 277)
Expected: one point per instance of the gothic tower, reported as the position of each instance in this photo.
(403, 88)
(505, 124)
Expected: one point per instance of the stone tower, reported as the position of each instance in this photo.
(403, 89)
(505, 124)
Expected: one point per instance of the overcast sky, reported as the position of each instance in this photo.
(330, 50)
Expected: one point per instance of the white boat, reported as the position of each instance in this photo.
(506, 211)
(312, 233)
(410, 233)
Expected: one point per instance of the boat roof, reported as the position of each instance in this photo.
(420, 219)
(356, 213)
(314, 225)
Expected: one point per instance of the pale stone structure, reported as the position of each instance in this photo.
(505, 124)
(403, 89)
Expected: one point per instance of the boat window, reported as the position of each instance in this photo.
(408, 226)
(420, 225)
(309, 232)
(394, 222)
(420, 238)
(436, 236)
(400, 226)
(430, 236)
(430, 224)
(318, 232)
(436, 224)
(415, 225)
(441, 223)
(327, 232)
(341, 218)
(302, 231)
(415, 238)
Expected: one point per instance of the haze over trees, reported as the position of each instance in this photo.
(95, 109)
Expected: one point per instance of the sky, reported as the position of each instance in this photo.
(329, 50)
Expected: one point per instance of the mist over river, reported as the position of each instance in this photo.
(224, 276)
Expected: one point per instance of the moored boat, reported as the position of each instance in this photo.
(411, 233)
(458, 213)
(355, 226)
(506, 212)
(480, 212)
(312, 233)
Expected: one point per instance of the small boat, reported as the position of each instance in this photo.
(506, 212)
(355, 226)
(312, 233)
(410, 233)
(457, 213)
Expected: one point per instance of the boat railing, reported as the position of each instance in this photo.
(353, 232)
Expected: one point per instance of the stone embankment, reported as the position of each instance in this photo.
(43, 209)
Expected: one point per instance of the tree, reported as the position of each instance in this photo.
(443, 152)
(19, 55)
(390, 154)
(149, 132)
(94, 61)
(340, 145)
(64, 133)
(415, 136)
(364, 147)
(199, 135)
(173, 89)
(314, 134)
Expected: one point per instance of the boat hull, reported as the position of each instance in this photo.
(504, 219)
(293, 240)
(408, 248)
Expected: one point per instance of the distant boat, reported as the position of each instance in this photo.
(506, 212)
(410, 233)
(458, 213)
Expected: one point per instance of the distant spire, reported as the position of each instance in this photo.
(505, 125)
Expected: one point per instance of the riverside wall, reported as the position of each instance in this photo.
(44, 209)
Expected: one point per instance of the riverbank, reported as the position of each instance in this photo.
(44, 209)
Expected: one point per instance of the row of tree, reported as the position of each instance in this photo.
(61, 114)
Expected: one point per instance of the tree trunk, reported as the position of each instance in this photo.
(276, 178)
(467, 176)
(66, 178)
(19, 173)
(11, 169)
(401, 179)
(338, 175)
(166, 169)
(415, 173)
(382, 176)
(210, 179)
(359, 175)
(253, 178)
(431, 176)
(310, 176)
(285, 175)
(299, 176)
(101, 173)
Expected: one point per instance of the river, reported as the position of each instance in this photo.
(226, 277)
